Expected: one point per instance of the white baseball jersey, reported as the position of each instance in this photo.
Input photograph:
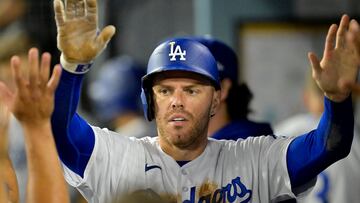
(251, 170)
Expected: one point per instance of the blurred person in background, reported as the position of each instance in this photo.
(340, 182)
(231, 121)
(13, 35)
(304, 122)
(115, 95)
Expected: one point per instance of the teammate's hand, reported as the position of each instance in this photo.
(77, 26)
(32, 102)
(337, 72)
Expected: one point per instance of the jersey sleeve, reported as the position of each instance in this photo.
(73, 136)
(116, 166)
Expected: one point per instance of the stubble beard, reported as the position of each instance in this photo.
(184, 139)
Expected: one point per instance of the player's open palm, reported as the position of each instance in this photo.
(32, 101)
(77, 26)
(336, 73)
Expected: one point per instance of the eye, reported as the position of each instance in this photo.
(192, 91)
(164, 91)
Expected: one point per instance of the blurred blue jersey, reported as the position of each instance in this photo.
(242, 129)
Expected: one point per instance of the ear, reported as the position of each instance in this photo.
(226, 84)
(216, 102)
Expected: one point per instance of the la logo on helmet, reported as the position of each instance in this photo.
(176, 52)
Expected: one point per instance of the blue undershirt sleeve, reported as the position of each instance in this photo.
(73, 136)
(311, 153)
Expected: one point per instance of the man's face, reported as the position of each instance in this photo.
(183, 105)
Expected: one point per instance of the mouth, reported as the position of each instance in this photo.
(177, 119)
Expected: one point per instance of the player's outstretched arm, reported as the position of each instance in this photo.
(9, 191)
(335, 74)
(32, 103)
(80, 41)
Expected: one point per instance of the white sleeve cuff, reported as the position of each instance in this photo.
(73, 67)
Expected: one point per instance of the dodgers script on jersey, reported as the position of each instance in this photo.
(251, 170)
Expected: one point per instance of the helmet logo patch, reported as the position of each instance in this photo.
(176, 52)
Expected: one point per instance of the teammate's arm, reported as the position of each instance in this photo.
(80, 42)
(311, 153)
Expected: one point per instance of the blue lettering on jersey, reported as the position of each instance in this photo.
(229, 193)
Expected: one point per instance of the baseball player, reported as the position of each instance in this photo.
(181, 91)
(231, 121)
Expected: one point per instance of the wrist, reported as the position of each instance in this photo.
(37, 134)
(74, 67)
(37, 126)
(337, 97)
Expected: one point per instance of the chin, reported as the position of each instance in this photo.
(182, 140)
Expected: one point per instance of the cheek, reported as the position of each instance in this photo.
(160, 106)
(199, 107)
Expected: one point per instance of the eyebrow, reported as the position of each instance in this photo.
(186, 86)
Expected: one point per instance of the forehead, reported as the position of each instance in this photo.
(180, 76)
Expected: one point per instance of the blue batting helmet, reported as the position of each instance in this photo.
(178, 54)
(116, 90)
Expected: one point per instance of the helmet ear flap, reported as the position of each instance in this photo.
(147, 103)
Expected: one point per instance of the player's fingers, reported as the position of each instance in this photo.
(330, 39)
(59, 13)
(105, 35)
(343, 28)
(54, 80)
(15, 64)
(80, 8)
(33, 58)
(45, 68)
(70, 9)
(91, 7)
(354, 28)
(315, 65)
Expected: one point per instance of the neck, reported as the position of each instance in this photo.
(187, 153)
(220, 120)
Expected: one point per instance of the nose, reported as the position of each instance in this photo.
(177, 100)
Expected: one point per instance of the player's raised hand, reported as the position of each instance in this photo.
(78, 37)
(336, 73)
(32, 102)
